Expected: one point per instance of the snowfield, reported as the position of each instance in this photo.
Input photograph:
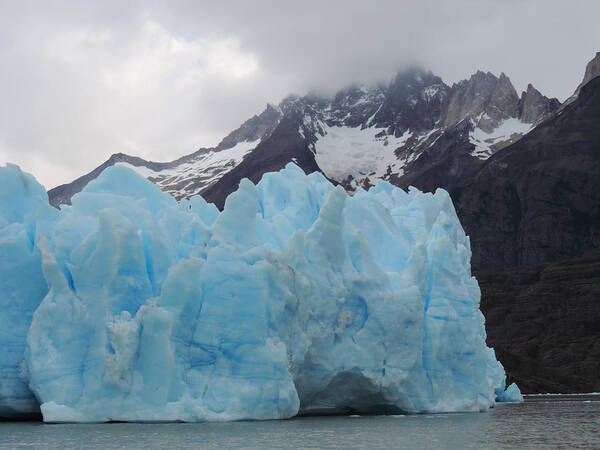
(356, 152)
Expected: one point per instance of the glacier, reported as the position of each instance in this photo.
(295, 299)
(24, 215)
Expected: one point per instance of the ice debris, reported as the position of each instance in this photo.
(130, 306)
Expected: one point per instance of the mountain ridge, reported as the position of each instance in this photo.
(532, 212)
(404, 118)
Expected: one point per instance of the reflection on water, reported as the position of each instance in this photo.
(540, 422)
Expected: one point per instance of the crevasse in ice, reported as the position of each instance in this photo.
(295, 298)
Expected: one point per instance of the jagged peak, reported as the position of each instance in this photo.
(254, 128)
(530, 92)
(505, 86)
(534, 106)
(477, 77)
(504, 80)
(482, 74)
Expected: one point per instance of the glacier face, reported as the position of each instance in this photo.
(295, 298)
(24, 214)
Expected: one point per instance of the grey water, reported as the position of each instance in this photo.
(540, 422)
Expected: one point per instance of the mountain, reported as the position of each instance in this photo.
(532, 212)
(189, 175)
(538, 200)
(395, 131)
(358, 136)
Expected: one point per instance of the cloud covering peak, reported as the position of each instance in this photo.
(159, 80)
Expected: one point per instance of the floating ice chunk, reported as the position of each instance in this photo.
(512, 394)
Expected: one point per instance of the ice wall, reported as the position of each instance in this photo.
(296, 297)
(24, 213)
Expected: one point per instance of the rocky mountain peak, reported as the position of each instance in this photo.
(413, 77)
(257, 127)
(473, 98)
(534, 107)
(353, 106)
(413, 101)
(503, 103)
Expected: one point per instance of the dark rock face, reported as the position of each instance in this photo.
(285, 144)
(544, 322)
(533, 214)
(538, 200)
(446, 164)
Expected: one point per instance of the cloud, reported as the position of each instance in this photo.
(79, 81)
(75, 94)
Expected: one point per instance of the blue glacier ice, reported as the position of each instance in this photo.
(295, 298)
(24, 214)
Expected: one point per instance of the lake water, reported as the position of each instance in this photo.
(540, 422)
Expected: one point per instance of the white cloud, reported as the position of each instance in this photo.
(82, 80)
(82, 93)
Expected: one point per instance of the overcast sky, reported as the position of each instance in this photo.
(82, 80)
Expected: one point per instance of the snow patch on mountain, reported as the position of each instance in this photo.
(208, 167)
(358, 152)
(508, 129)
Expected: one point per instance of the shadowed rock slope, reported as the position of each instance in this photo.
(544, 321)
(533, 214)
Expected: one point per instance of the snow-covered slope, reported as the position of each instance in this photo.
(357, 153)
(192, 174)
(507, 132)
(197, 173)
